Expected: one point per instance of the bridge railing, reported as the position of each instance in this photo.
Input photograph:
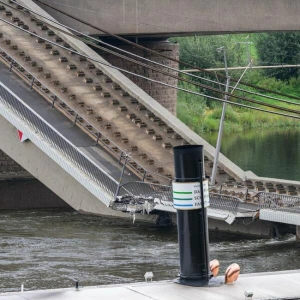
(163, 193)
(147, 190)
(76, 117)
(279, 202)
(56, 140)
(224, 202)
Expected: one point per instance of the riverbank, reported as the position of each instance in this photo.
(202, 115)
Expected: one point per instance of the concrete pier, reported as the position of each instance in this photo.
(164, 95)
(275, 285)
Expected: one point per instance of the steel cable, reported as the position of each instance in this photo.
(147, 66)
(174, 76)
(160, 54)
(165, 84)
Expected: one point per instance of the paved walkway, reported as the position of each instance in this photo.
(275, 285)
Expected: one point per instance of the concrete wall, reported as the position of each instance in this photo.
(28, 194)
(166, 96)
(259, 228)
(8, 165)
(180, 17)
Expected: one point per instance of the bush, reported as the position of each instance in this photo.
(280, 48)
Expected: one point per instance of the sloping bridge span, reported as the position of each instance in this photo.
(54, 161)
(158, 18)
(77, 165)
(69, 172)
(151, 105)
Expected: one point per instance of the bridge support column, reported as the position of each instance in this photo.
(298, 233)
(166, 96)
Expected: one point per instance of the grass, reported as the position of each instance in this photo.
(202, 115)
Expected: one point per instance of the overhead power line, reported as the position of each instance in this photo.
(150, 67)
(160, 54)
(242, 68)
(282, 109)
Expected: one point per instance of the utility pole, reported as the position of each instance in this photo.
(220, 134)
(248, 44)
(248, 48)
(226, 98)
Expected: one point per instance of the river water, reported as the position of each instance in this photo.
(50, 248)
(266, 152)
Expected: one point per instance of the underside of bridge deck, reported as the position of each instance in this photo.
(158, 18)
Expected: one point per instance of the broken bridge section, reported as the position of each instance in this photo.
(142, 197)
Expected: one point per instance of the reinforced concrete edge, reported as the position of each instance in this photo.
(279, 216)
(274, 180)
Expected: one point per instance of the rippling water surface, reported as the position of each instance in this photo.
(48, 249)
(266, 152)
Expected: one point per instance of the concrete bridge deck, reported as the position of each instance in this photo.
(31, 161)
(166, 18)
(50, 173)
(152, 151)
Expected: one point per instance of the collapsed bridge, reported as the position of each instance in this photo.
(119, 124)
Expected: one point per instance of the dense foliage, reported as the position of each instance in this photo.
(202, 51)
(280, 48)
(202, 114)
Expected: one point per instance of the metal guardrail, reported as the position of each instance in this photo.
(224, 202)
(59, 142)
(165, 193)
(279, 202)
(76, 117)
(147, 190)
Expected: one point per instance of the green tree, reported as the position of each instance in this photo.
(201, 51)
(279, 48)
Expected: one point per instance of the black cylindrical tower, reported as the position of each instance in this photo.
(188, 197)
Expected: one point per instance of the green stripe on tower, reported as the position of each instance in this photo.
(183, 193)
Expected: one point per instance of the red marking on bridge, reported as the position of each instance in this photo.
(22, 136)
